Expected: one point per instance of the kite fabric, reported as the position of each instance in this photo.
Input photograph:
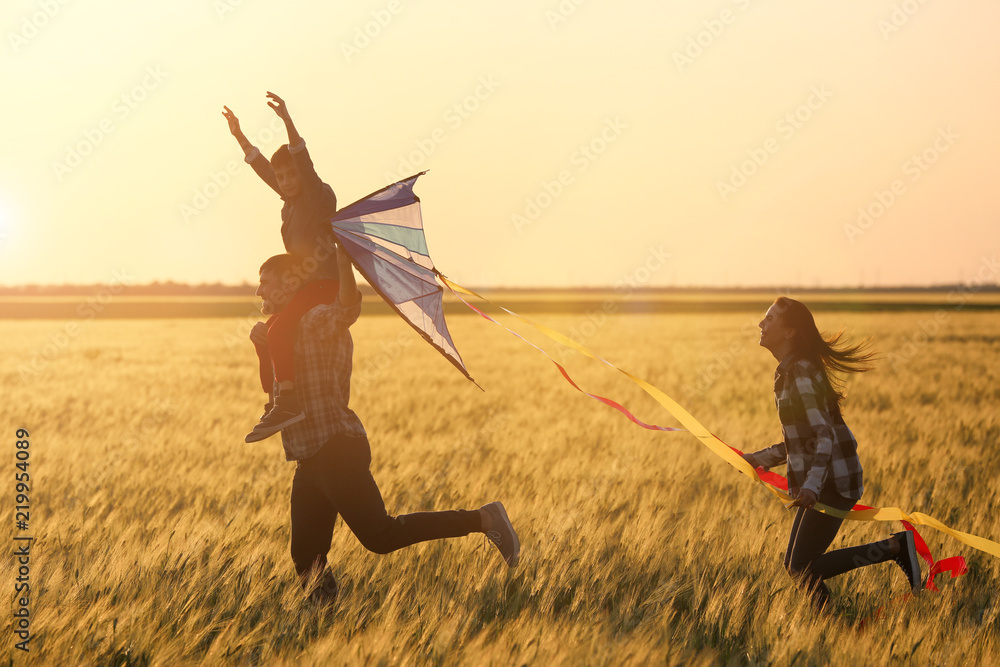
(384, 235)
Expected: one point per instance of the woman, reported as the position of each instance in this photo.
(819, 449)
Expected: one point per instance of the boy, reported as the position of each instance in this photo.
(309, 203)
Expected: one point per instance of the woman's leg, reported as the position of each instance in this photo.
(812, 534)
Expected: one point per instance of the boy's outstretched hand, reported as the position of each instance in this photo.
(278, 105)
(234, 122)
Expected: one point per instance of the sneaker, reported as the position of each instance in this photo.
(285, 412)
(907, 560)
(325, 590)
(502, 534)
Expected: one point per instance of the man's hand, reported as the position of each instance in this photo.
(258, 334)
(804, 498)
(279, 107)
(234, 122)
(342, 256)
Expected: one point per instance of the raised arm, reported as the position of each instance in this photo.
(308, 177)
(281, 109)
(234, 128)
(251, 155)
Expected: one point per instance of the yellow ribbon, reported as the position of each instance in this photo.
(723, 450)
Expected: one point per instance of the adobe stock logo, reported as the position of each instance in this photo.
(582, 158)
(712, 30)
(121, 108)
(914, 167)
(787, 126)
(371, 30)
(34, 23)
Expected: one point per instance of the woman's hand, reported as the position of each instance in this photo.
(804, 498)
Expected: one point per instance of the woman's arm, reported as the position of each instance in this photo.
(768, 457)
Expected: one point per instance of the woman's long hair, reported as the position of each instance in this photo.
(834, 355)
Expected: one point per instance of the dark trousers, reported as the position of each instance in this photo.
(812, 534)
(337, 480)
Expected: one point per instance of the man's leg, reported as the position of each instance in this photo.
(348, 484)
(313, 519)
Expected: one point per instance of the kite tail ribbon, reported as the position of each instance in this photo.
(773, 482)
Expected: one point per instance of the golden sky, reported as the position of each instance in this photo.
(572, 142)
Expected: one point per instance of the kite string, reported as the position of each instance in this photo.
(730, 455)
(607, 401)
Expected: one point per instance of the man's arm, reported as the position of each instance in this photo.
(349, 294)
(251, 155)
(324, 322)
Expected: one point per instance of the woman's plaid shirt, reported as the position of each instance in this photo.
(819, 448)
(324, 353)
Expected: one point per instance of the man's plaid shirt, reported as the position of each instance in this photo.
(819, 448)
(324, 354)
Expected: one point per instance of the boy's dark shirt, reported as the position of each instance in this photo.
(305, 220)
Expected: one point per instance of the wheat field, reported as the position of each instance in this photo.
(162, 539)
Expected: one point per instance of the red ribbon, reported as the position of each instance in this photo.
(954, 564)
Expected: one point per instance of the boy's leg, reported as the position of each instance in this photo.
(348, 484)
(281, 346)
(281, 333)
(265, 366)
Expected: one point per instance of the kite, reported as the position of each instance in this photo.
(384, 235)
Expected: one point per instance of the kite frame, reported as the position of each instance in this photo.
(460, 364)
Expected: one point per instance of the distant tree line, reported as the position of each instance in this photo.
(168, 288)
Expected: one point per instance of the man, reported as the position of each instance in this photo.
(330, 446)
